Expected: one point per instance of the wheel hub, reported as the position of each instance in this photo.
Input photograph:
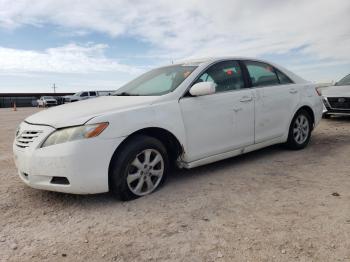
(301, 129)
(145, 172)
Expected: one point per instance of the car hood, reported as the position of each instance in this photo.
(336, 91)
(79, 113)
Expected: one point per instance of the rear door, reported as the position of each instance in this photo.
(276, 98)
(219, 122)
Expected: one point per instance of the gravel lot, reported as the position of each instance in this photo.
(270, 205)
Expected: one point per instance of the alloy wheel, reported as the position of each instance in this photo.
(301, 129)
(145, 172)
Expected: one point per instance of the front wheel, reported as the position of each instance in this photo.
(300, 131)
(139, 168)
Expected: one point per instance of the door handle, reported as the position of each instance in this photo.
(293, 91)
(246, 99)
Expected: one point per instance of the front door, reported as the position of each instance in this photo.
(220, 122)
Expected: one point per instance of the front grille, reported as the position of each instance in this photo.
(339, 102)
(27, 137)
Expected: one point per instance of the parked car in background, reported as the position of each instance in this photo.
(336, 98)
(187, 114)
(35, 103)
(86, 95)
(60, 100)
(46, 101)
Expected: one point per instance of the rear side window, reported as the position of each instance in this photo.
(284, 80)
(226, 75)
(92, 93)
(261, 74)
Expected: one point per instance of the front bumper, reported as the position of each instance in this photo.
(83, 163)
(331, 111)
(334, 110)
(50, 104)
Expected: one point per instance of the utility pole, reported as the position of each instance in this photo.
(54, 88)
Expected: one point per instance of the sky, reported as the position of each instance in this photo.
(102, 44)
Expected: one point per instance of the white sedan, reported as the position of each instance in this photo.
(190, 114)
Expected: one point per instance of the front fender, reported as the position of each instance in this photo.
(165, 115)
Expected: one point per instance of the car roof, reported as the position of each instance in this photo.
(208, 60)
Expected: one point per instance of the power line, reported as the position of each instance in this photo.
(54, 88)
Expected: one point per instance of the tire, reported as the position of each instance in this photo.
(131, 175)
(299, 131)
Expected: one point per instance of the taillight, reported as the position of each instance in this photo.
(318, 91)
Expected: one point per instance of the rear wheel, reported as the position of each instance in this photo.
(139, 168)
(300, 130)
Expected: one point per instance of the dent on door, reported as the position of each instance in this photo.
(273, 108)
(218, 123)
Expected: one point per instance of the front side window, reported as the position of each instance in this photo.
(226, 75)
(261, 74)
(157, 82)
(84, 94)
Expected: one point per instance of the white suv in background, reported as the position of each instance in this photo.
(46, 101)
(336, 98)
(190, 114)
(80, 96)
(86, 95)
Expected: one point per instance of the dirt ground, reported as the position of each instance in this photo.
(269, 205)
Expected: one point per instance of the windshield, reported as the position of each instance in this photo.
(48, 97)
(77, 94)
(157, 82)
(344, 82)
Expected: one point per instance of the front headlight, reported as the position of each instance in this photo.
(74, 133)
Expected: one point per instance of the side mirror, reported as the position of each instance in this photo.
(203, 88)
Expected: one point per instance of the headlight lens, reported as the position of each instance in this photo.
(74, 133)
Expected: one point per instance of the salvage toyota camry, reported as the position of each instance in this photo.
(188, 114)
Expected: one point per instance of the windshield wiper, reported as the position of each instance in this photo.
(125, 94)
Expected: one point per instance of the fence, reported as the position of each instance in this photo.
(25, 100)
